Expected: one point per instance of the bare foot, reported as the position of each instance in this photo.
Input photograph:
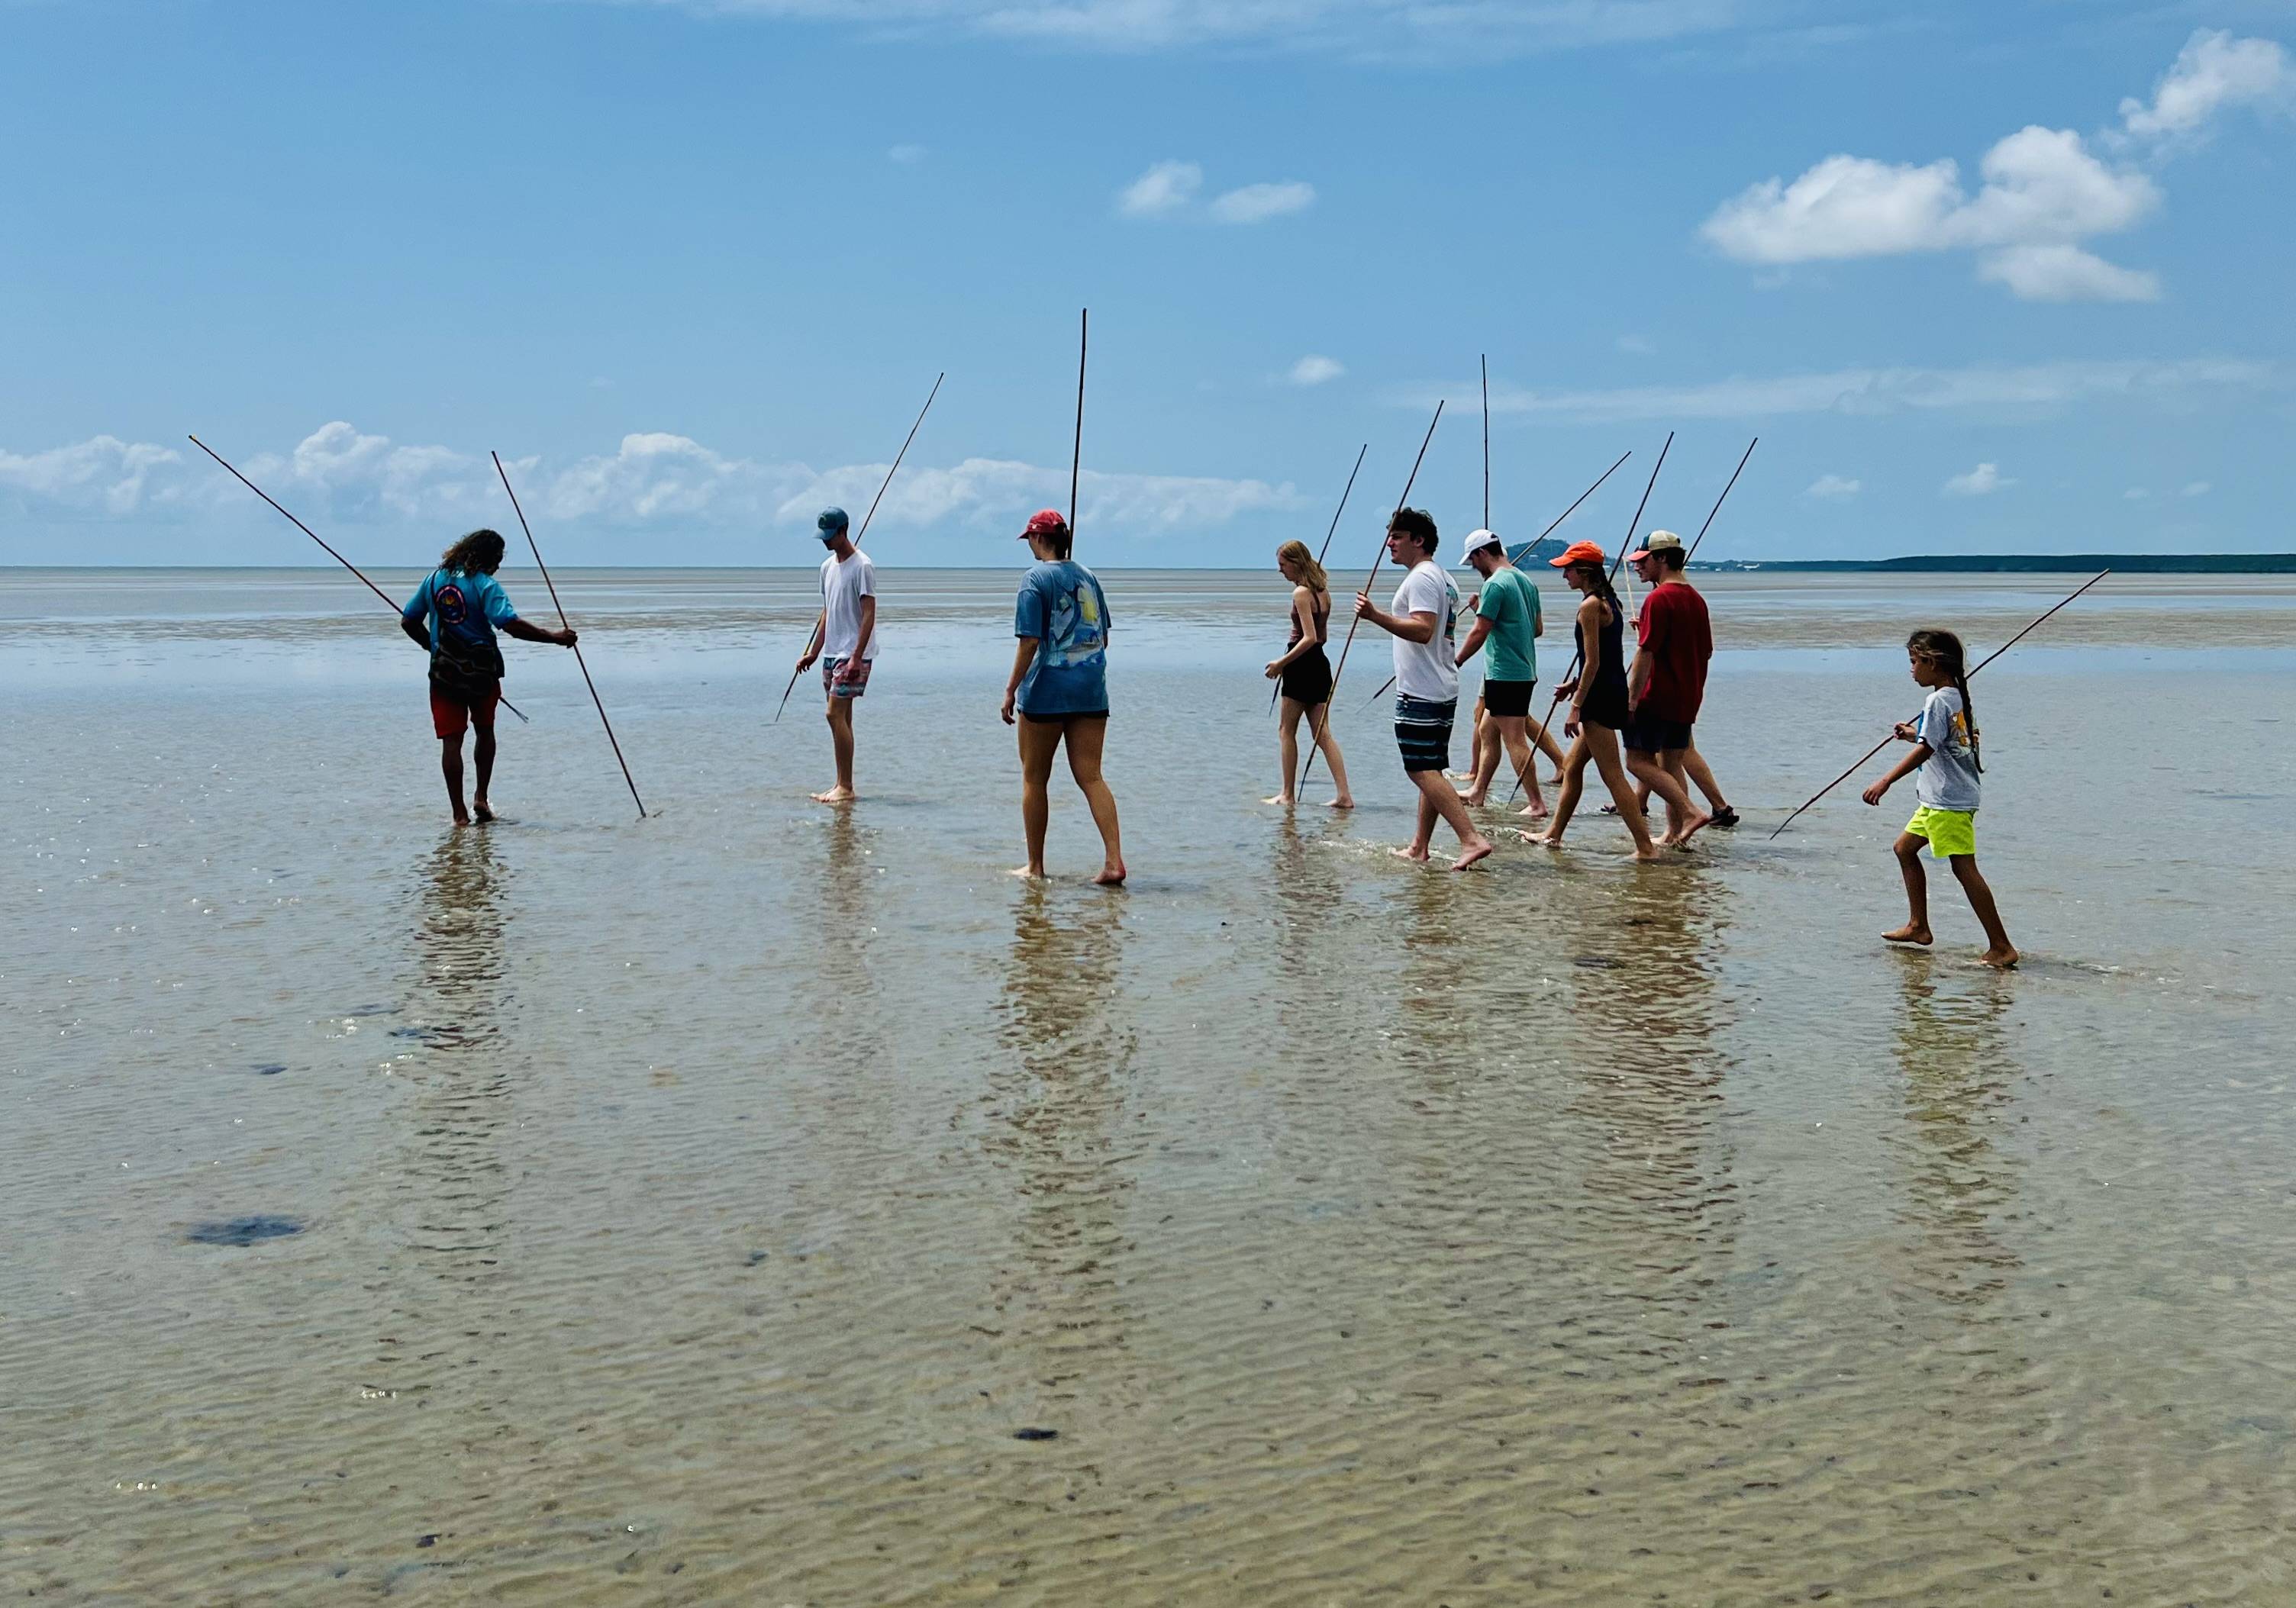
(1344, 801)
(1029, 874)
(462, 817)
(1681, 840)
(2000, 959)
(836, 795)
(1111, 874)
(1536, 809)
(1544, 839)
(1417, 856)
(1910, 933)
(1481, 849)
(482, 809)
(1284, 799)
(1474, 801)
(1654, 852)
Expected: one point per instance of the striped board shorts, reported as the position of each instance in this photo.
(1423, 730)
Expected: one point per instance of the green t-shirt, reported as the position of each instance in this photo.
(1510, 602)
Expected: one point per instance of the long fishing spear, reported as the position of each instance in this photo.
(1578, 653)
(1277, 691)
(1541, 537)
(1315, 738)
(1487, 440)
(1076, 461)
(871, 514)
(1885, 741)
(315, 535)
(569, 624)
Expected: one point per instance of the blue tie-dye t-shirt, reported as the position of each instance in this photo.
(1062, 607)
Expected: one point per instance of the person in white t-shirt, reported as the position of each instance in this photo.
(1421, 620)
(844, 639)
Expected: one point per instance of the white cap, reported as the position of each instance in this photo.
(1478, 540)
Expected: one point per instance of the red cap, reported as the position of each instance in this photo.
(1578, 552)
(1044, 522)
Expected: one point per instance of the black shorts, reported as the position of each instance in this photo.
(1646, 736)
(1307, 679)
(1423, 732)
(1507, 697)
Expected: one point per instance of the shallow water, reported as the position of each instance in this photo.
(701, 1209)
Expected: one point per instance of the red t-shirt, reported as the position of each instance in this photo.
(1673, 627)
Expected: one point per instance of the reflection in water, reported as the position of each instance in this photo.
(1957, 1070)
(1061, 1099)
(1646, 1035)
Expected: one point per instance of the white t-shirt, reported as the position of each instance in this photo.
(844, 583)
(1423, 669)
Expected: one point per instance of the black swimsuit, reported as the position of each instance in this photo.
(1605, 703)
(1307, 679)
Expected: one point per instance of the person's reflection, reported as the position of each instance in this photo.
(844, 1027)
(1309, 898)
(1957, 1074)
(1060, 1100)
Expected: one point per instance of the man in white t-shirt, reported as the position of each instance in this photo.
(1426, 681)
(844, 639)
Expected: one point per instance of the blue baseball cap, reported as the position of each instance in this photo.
(831, 524)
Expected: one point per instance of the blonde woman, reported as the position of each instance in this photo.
(1305, 674)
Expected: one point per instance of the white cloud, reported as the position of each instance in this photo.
(2065, 273)
(1983, 480)
(2198, 488)
(2214, 70)
(1876, 391)
(2135, 494)
(906, 154)
(2043, 192)
(1385, 31)
(652, 482)
(1165, 188)
(1315, 370)
(1833, 487)
(1257, 204)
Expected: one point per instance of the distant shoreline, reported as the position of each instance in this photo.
(1941, 563)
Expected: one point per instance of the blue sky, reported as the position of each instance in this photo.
(1982, 278)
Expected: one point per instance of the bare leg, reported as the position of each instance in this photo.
(1573, 781)
(1602, 743)
(1694, 767)
(840, 715)
(1485, 764)
(1287, 727)
(1040, 740)
(482, 751)
(1682, 817)
(1085, 736)
(1916, 930)
(1437, 797)
(450, 765)
(1319, 721)
(1999, 951)
(1514, 735)
(1416, 849)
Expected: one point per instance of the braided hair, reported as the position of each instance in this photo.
(1944, 649)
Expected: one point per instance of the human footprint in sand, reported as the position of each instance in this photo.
(1421, 620)
(1058, 691)
(1946, 754)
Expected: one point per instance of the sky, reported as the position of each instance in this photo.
(1981, 278)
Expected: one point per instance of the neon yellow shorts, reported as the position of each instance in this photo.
(1950, 832)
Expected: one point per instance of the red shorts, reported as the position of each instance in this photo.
(451, 716)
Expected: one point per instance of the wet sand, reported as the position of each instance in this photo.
(718, 1207)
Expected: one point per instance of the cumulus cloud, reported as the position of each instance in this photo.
(1165, 188)
(2214, 70)
(1983, 480)
(1874, 392)
(1834, 489)
(2042, 192)
(1169, 190)
(1315, 370)
(1257, 204)
(2198, 488)
(652, 482)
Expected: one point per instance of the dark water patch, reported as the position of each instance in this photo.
(1035, 1434)
(421, 1035)
(241, 1231)
(268, 1069)
(368, 1010)
(1600, 963)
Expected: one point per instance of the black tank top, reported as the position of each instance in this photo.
(1606, 700)
(1322, 611)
